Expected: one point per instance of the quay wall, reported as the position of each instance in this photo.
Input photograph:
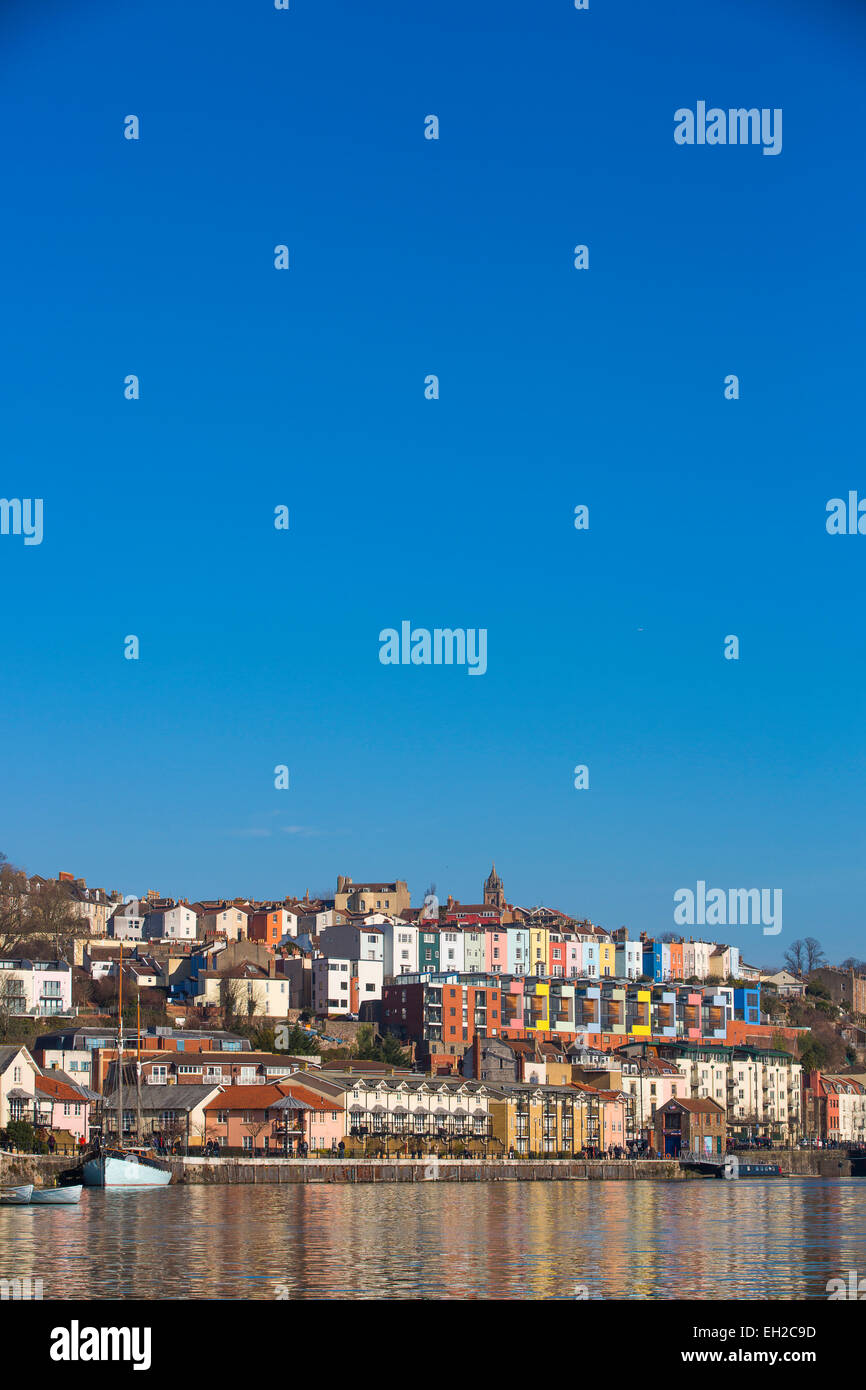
(41, 1169)
(797, 1162)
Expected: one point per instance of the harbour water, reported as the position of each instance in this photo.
(638, 1240)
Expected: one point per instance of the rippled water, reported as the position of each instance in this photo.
(709, 1239)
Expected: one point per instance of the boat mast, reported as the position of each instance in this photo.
(120, 1052)
(138, 1068)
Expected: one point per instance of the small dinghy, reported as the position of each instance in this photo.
(16, 1196)
(62, 1196)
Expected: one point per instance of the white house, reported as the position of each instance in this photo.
(341, 985)
(35, 987)
(400, 947)
(451, 951)
(178, 923)
(18, 1073)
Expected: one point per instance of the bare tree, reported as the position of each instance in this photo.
(13, 907)
(795, 957)
(53, 916)
(10, 1003)
(230, 992)
(253, 1127)
(815, 957)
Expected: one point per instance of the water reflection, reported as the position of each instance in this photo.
(620, 1240)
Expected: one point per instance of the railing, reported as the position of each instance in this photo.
(696, 1156)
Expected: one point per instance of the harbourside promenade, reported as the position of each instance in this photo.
(193, 1171)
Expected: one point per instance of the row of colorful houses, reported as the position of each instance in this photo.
(441, 1013)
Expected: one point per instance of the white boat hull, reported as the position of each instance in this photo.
(56, 1196)
(111, 1171)
(16, 1196)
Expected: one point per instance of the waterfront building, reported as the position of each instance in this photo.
(273, 1119)
(759, 1088)
(834, 1108)
(62, 1104)
(694, 1125)
(540, 1120)
(18, 1073)
(650, 1082)
(177, 1114)
(395, 1111)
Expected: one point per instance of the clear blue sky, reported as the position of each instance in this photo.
(558, 387)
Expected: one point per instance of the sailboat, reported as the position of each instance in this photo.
(124, 1165)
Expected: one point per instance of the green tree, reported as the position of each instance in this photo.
(373, 1048)
(21, 1135)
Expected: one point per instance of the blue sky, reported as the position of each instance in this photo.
(558, 387)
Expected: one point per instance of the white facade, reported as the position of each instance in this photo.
(126, 923)
(400, 948)
(629, 960)
(451, 952)
(39, 987)
(696, 959)
(178, 923)
(341, 985)
(354, 943)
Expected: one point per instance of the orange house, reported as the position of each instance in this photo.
(269, 927)
(676, 949)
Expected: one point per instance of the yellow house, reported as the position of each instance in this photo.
(539, 951)
(606, 958)
(536, 1006)
(547, 1121)
(641, 1024)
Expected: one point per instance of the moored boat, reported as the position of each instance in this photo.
(125, 1168)
(16, 1196)
(124, 1165)
(59, 1196)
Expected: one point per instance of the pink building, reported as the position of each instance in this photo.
(612, 1126)
(495, 951)
(273, 1119)
(62, 1105)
